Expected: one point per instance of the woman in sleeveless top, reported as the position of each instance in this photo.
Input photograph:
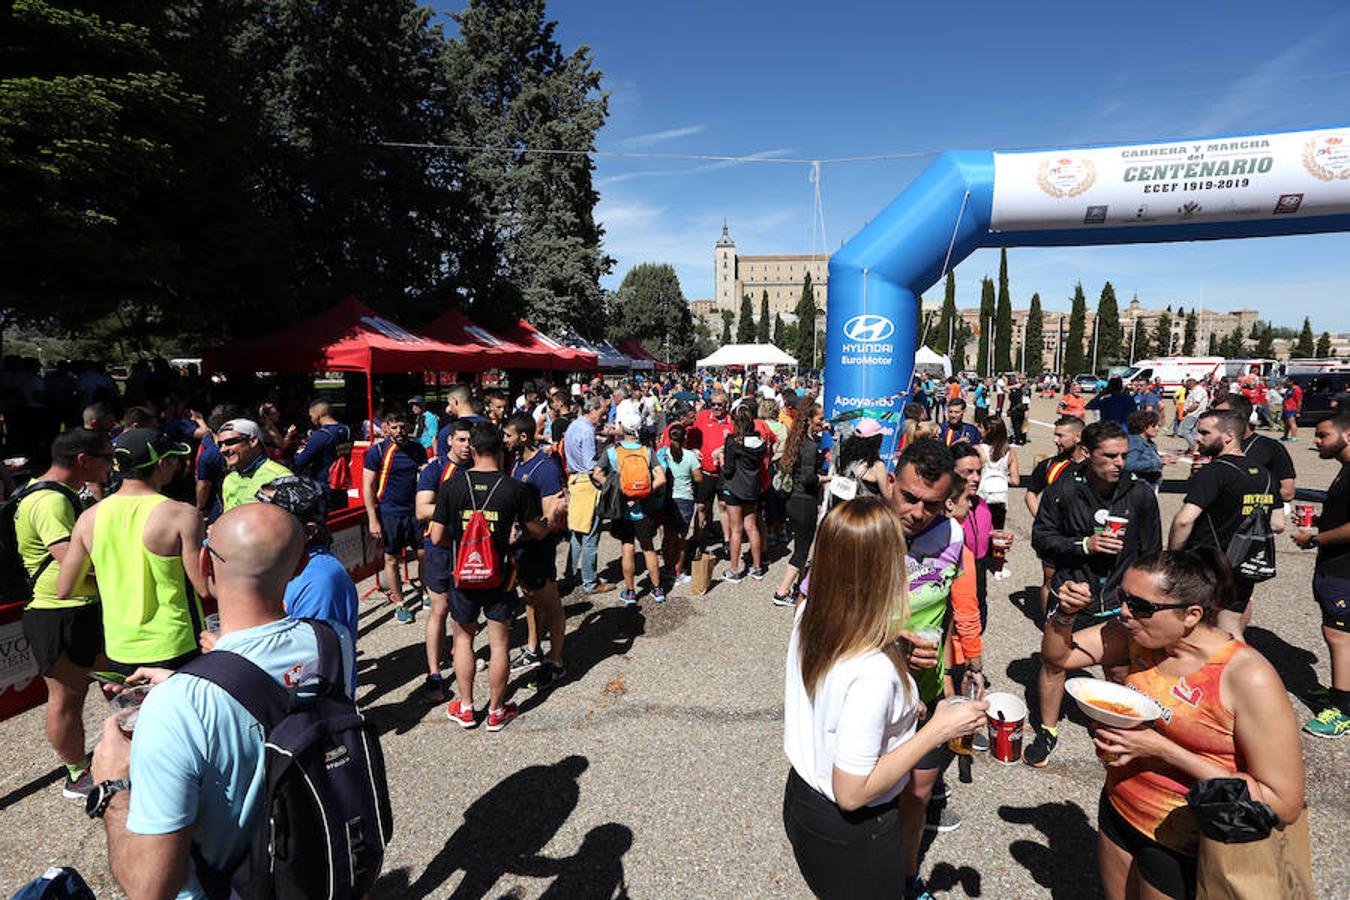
(999, 470)
(1225, 715)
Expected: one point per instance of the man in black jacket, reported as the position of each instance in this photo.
(1091, 525)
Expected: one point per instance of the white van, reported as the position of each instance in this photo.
(1172, 371)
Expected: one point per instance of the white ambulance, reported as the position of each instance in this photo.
(1172, 371)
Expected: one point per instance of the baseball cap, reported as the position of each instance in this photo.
(139, 448)
(867, 428)
(630, 422)
(418, 400)
(301, 497)
(246, 427)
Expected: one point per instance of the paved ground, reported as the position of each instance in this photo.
(656, 769)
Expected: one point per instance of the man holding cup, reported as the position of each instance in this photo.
(1090, 525)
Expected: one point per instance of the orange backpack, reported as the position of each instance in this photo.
(476, 564)
(635, 473)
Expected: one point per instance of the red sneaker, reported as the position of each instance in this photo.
(464, 715)
(500, 718)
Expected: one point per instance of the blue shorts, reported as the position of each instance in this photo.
(1333, 596)
(436, 568)
(1289, 414)
(496, 605)
(401, 531)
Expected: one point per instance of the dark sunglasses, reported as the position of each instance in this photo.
(232, 442)
(1144, 609)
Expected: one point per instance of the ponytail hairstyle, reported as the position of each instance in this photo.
(1198, 577)
(676, 435)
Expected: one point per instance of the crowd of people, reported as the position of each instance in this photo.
(141, 519)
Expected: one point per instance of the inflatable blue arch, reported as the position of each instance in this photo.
(1185, 190)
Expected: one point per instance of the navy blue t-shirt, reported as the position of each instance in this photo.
(399, 491)
(321, 451)
(543, 477)
(211, 467)
(432, 476)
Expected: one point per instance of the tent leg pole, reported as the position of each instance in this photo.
(370, 402)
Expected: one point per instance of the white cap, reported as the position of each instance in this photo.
(246, 427)
(630, 422)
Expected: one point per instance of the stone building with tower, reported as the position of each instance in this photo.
(780, 275)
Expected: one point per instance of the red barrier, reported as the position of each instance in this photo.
(20, 686)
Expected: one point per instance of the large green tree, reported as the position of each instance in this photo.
(1188, 340)
(1265, 343)
(806, 313)
(762, 333)
(942, 337)
(513, 86)
(1033, 337)
(1213, 349)
(1003, 324)
(649, 307)
(745, 322)
(983, 361)
(1324, 346)
(1107, 331)
(727, 318)
(1304, 348)
(1161, 345)
(1074, 361)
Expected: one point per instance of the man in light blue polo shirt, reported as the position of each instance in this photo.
(195, 768)
(580, 455)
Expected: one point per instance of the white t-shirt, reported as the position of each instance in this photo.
(859, 713)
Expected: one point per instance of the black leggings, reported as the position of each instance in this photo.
(801, 511)
(847, 855)
(1167, 870)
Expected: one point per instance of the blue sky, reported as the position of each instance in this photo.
(813, 81)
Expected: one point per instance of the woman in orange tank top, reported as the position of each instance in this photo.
(1225, 715)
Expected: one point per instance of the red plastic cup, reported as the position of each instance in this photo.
(1005, 730)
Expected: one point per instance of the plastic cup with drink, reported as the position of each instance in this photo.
(126, 706)
(213, 623)
(1000, 542)
(1115, 526)
(1304, 515)
(965, 744)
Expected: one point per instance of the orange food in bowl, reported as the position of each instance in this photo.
(1119, 709)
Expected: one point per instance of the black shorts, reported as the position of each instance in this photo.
(732, 500)
(436, 568)
(1169, 871)
(537, 564)
(843, 854)
(636, 531)
(401, 532)
(706, 490)
(1242, 595)
(941, 756)
(496, 605)
(126, 668)
(75, 632)
(1333, 595)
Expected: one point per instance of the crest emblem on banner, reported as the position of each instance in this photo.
(1066, 176)
(1328, 157)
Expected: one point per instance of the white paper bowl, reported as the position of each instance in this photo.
(1146, 709)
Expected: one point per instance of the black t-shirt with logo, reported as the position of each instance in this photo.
(1335, 559)
(1271, 455)
(509, 503)
(1227, 490)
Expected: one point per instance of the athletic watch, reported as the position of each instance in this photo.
(1312, 543)
(96, 804)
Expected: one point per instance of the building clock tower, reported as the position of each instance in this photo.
(724, 271)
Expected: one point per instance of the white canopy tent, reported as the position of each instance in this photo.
(930, 359)
(747, 355)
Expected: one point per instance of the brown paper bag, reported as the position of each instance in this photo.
(701, 573)
(1278, 866)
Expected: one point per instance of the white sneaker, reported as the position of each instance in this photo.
(682, 578)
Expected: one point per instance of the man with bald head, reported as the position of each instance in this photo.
(192, 779)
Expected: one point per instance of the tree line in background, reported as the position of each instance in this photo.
(1108, 343)
(204, 171)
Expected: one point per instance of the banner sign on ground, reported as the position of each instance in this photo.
(1291, 175)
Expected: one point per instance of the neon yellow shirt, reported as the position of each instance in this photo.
(239, 489)
(45, 518)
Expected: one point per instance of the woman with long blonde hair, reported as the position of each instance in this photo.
(851, 708)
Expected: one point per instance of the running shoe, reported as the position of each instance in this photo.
(946, 820)
(405, 616)
(1330, 723)
(682, 578)
(550, 673)
(658, 595)
(783, 599)
(464, 715)
(915, 889)
(628, 597)
(1038, 751)
(500, 718)
(426, 601)
(78, 788)
(433, 690)
(601, 587)
(758, 572)
(524, 660)
(731, 576)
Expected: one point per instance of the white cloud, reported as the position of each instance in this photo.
(660, 137)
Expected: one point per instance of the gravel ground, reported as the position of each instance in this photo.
(656, 768)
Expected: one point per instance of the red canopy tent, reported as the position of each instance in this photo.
(350, 337)
(637, 351)
(561, 358)
(457, 328)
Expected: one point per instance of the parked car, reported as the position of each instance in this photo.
(1086, 383)
(1323, 395)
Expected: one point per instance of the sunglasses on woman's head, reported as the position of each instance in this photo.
(1143, 609)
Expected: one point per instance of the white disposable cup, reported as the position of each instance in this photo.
(213, 623)
(930, 636)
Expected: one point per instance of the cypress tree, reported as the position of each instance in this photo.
(1107, 328)
(763, 333)
(1324, 346)
(806, 325)
(1074, 362)
(1213, 345)
(942, 339)
(745, 326)
(1192, 334)
(1033, 337)
(983, 362)
(1305, 348)
(1003, 327)
(726, 326)
(1265, 343)
(1162, 336)
(778, 332)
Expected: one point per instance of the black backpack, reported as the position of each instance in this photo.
(16, 585)
(1251, 550)
(326, 816)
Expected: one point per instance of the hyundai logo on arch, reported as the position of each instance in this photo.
(866, 341)
(868, 329)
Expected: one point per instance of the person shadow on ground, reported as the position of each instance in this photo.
(504, 831)
(1066, 864)
(604, 632)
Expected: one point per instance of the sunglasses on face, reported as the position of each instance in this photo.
(1144, 609)
(233, 442)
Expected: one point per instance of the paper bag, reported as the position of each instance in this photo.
(581, 496)
(701, 573)
(1277, 866)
